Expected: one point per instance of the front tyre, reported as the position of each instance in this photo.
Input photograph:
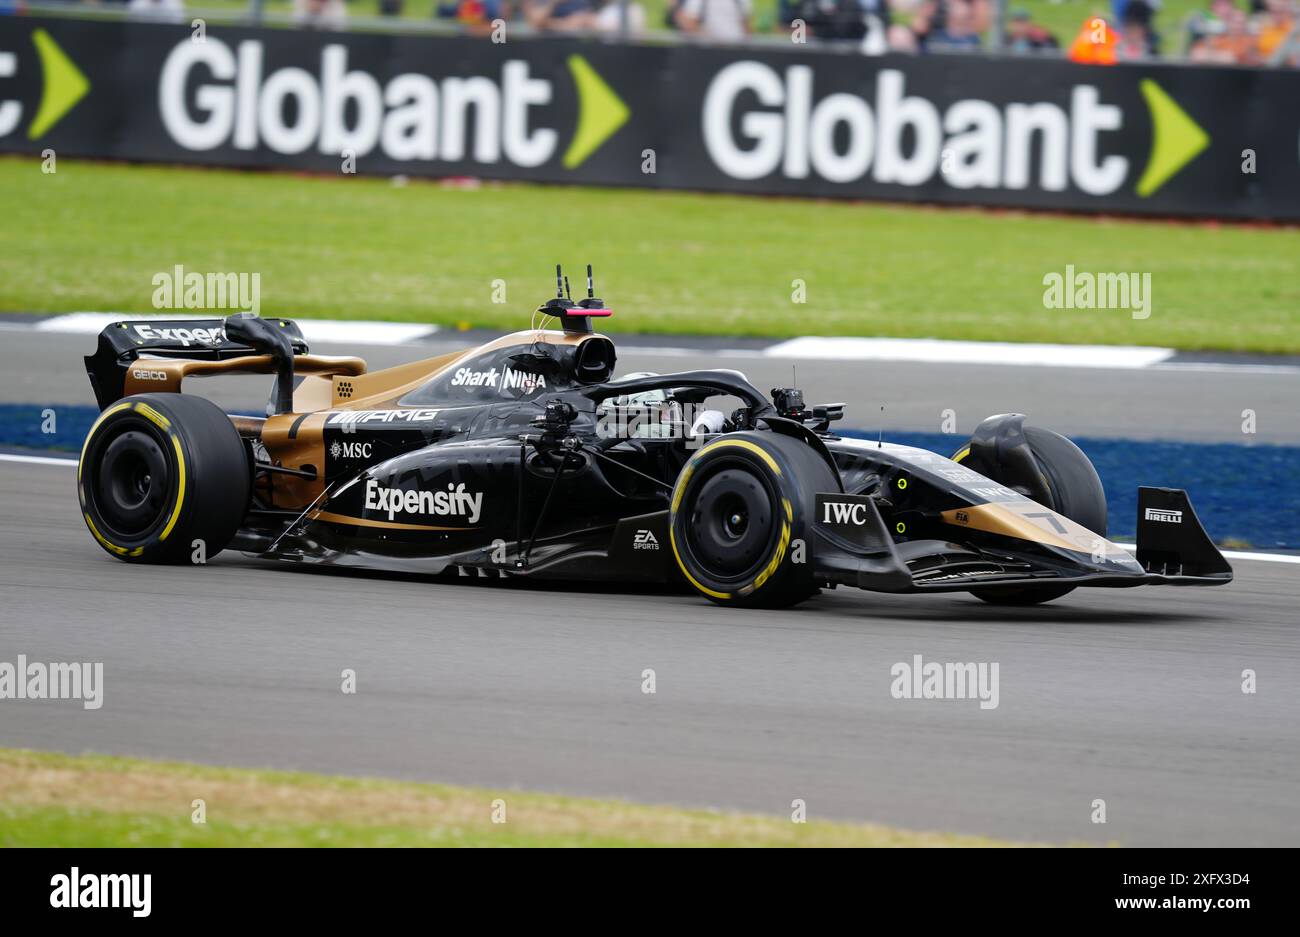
(159, 472)
(1076, 492)
(741, 520)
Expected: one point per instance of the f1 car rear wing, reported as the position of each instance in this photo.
(123, 342)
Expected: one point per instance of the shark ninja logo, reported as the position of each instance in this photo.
(505, 380)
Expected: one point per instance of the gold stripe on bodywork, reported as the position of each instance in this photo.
(367, 522)
(1028, 520)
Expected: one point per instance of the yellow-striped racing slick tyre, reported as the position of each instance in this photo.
(741, 520)
(163, 478)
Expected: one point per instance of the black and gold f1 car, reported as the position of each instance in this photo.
(523, 457)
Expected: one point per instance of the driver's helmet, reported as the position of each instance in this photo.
(661, 415)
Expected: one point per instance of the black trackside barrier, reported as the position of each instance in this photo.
(1146, 139)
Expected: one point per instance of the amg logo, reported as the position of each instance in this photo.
(349, 450)
(510, 379)
(1164, 515)
(644, 540)
(837, 512)
(455, 501)
(417, 415)
(142, 375)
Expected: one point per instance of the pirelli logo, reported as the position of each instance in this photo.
(1163, 515)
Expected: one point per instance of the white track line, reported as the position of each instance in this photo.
(36, 460)
(341, 331)
(939, 351)
(1228, 554)
(844, 348)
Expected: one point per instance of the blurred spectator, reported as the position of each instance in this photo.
(390, 7)
(722, 20)
(1025, 37)
(1095, 44)
(320, 14)
(864, 21)
(1225, 38)
(476, 16)
(1136, 39)
(951, 24)
(560, 16)
(172, 11)
(609, 18)
(1275, 24)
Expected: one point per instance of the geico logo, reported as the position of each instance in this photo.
(181, 336)
(837, 512)
(455, 501)
(510, 379)
(986, 147)
(412, 116)
(141, 375)
(414, 415)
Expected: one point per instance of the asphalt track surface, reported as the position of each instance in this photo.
(1129, 696)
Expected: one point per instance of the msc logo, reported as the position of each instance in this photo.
(837, 512)
(644, 540)
(64, 86)
(349, 450)
(1164, 515)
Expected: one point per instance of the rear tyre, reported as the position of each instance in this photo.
(1076, 492)
(159, 472)
(741, 519)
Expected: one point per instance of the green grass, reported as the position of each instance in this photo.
(97, 800)
(92, 236)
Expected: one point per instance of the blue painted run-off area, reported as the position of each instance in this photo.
(1243, 493)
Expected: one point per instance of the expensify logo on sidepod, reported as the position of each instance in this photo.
(758, 121)
(212, 95)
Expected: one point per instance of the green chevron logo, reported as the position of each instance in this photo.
(601, 112)
(65, 85)
(1177, 139)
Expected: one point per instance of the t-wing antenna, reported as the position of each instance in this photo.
(575, 318)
